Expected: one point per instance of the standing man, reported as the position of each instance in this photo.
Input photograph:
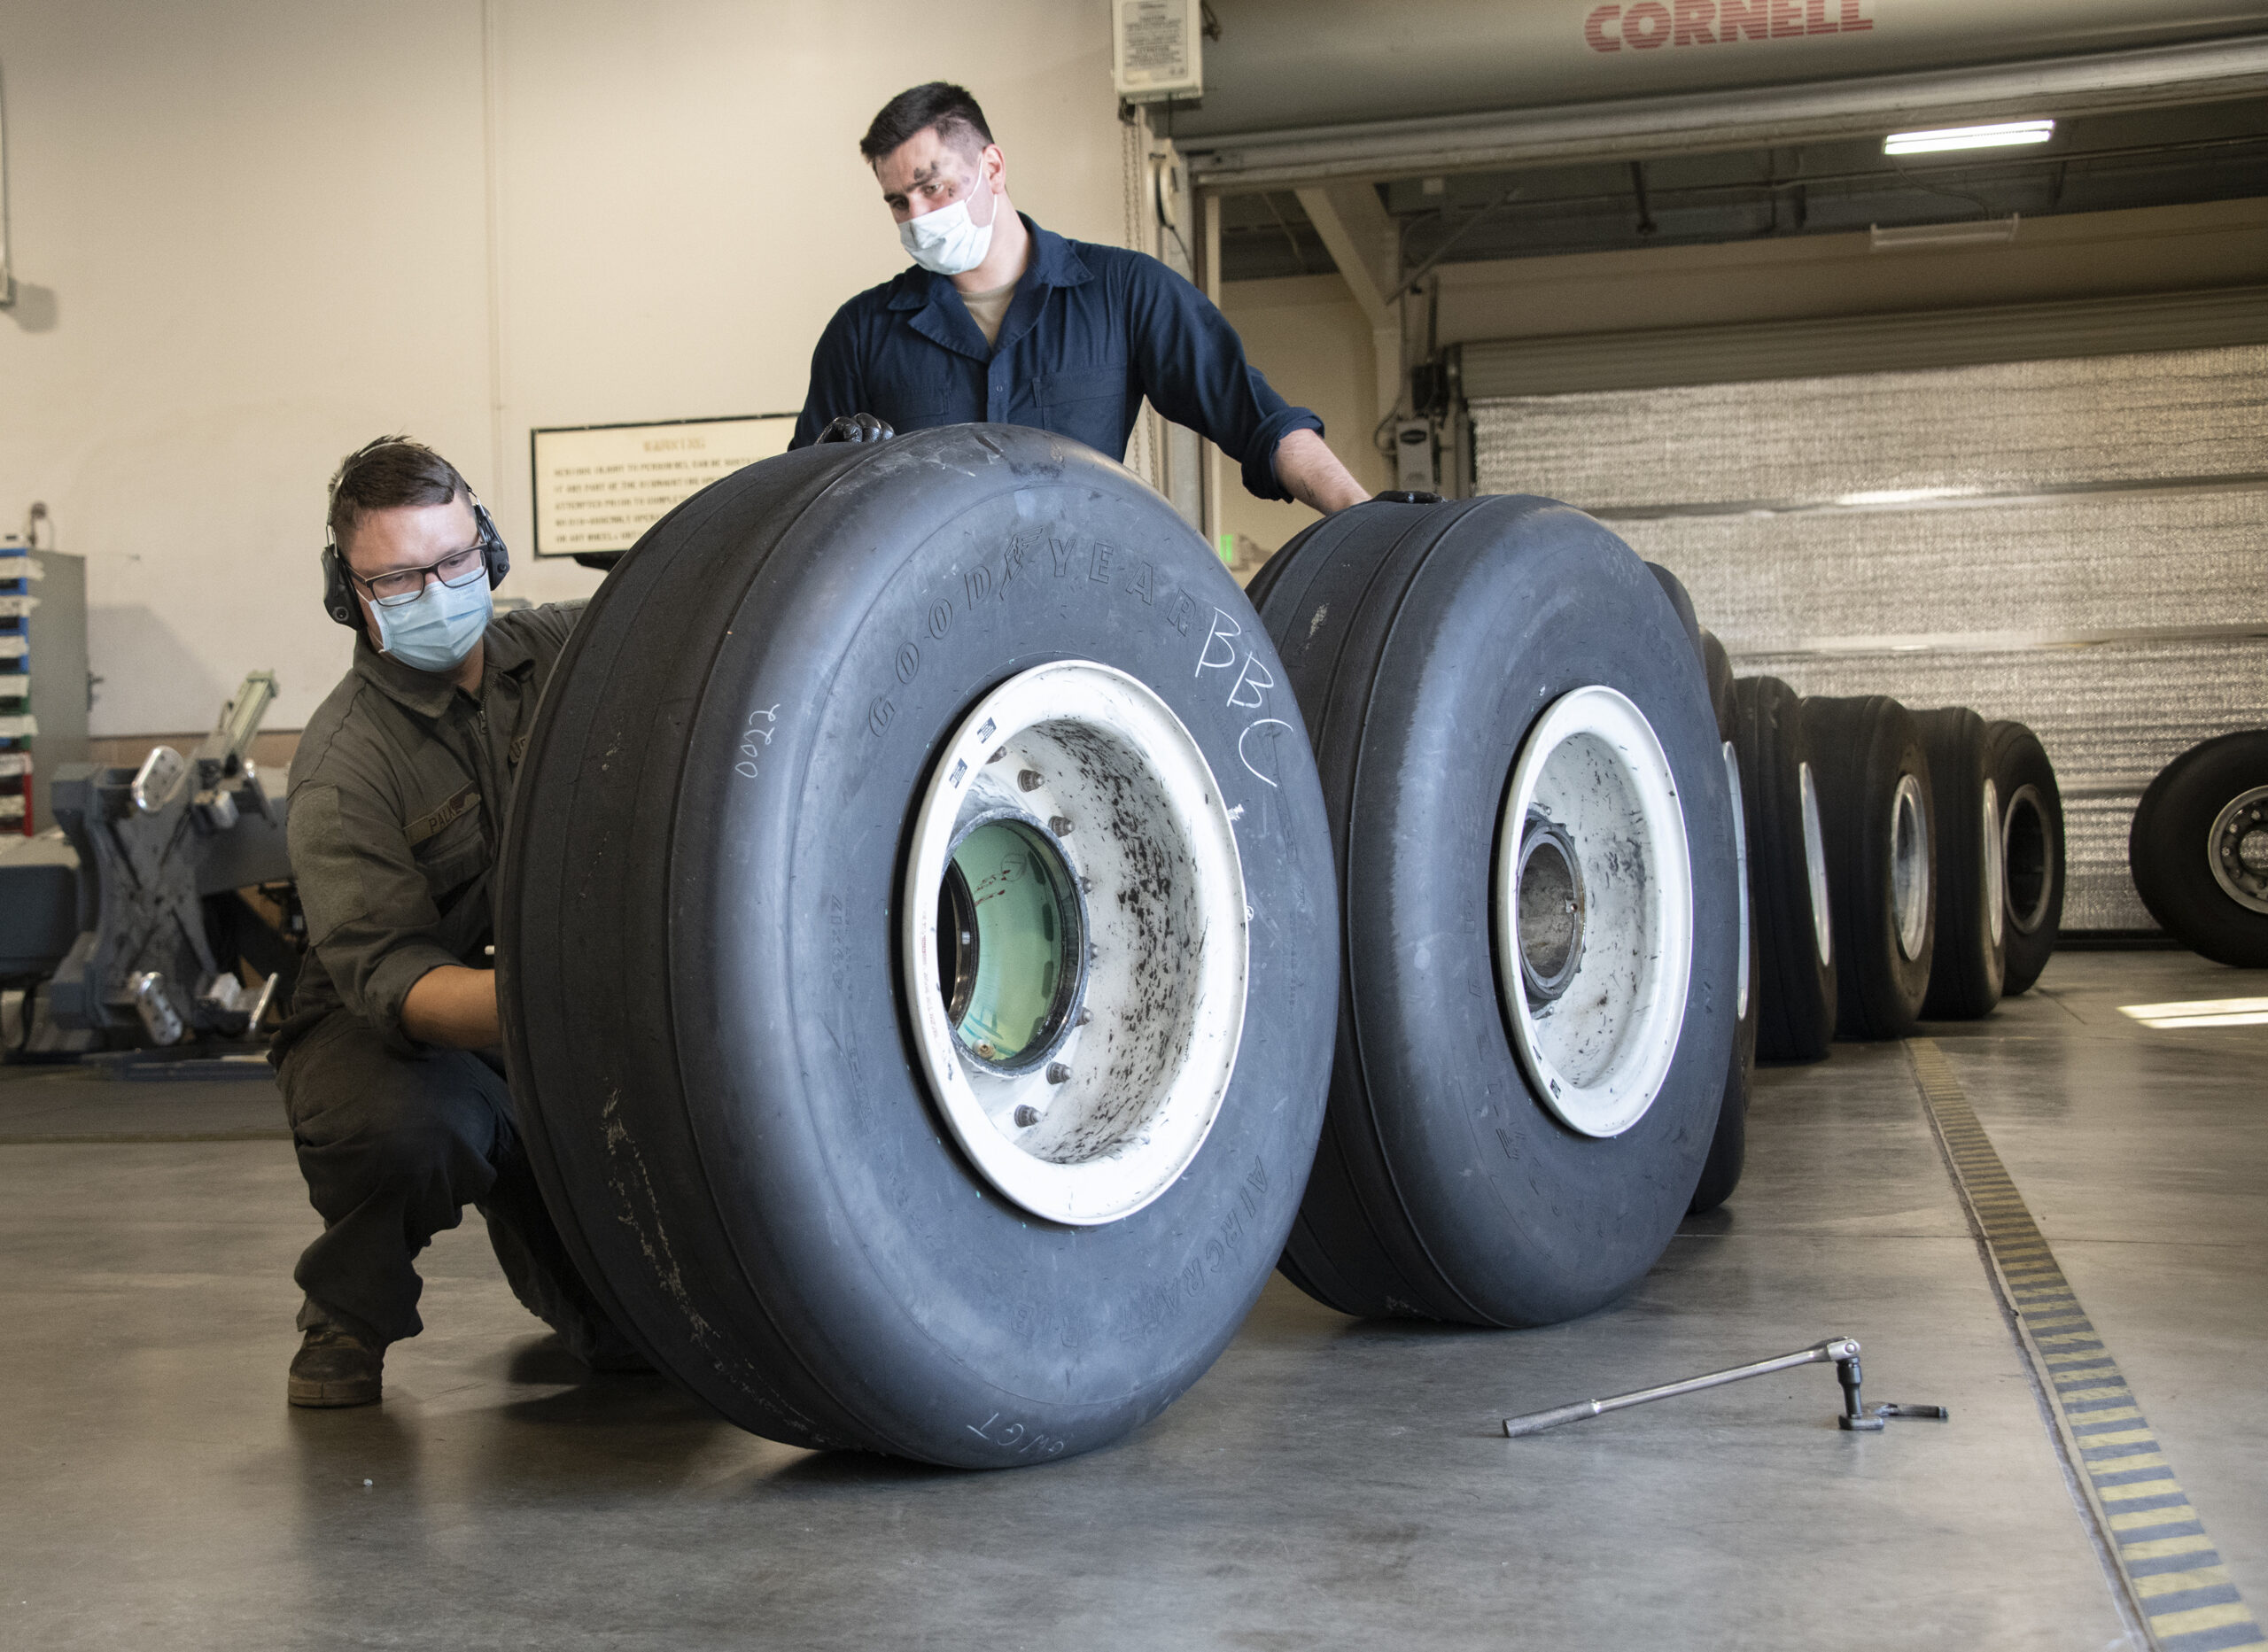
(1003, 322)
(390, 1065)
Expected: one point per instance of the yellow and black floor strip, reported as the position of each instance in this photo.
(2173, 1577)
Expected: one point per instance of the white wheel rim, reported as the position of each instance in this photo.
(1104, 1106)
(1739, 863)
(2234, 848)
(1996, 880)
(1909, 865)
(1592, 776)
(1822, 928)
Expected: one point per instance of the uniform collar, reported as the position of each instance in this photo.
(422, 692)
(941, 317)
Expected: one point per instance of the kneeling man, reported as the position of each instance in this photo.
(390, 1065)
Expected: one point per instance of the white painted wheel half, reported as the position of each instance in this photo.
(1996, 878)
(1909, 865)
(1592, 773)
(1088, 779)
(1822, 926)
(1740, 866)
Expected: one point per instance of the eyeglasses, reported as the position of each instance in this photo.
(399, 585)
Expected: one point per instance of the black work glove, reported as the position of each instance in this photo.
(856, 427)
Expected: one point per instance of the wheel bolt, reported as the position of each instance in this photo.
(1058, 1074)
(1029, 780)
(1026, 1117)
(1061, 825)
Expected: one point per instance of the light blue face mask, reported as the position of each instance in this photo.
(435, 631)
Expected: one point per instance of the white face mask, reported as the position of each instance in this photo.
(947, 241)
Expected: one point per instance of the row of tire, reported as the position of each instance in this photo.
(953, 943)
(1905, 866)
(1900, 866)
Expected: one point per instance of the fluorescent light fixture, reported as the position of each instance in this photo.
(2201, 1012)
(1999, 136)
(1969, 232)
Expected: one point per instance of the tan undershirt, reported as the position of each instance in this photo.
(988, 310)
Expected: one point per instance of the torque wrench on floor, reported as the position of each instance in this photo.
(1842, 1350)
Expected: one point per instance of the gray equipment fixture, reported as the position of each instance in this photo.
(134, 910)
(1841, 1350)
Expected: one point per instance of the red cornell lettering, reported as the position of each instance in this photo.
(1597, 39)
(1693, 20)
(1655, 17)
(1852, 21)
(1744, 16)
(1815, 18)
(1785, 19)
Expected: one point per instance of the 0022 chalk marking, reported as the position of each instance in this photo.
(747, 766)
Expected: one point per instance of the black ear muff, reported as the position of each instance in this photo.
(499, 559)
(337, 595)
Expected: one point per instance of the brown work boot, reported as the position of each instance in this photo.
(335, 1367)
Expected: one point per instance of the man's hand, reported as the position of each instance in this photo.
(1311, 473)
(453, 1007)
(856, 427)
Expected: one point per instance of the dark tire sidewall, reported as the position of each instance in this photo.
(2017, 760)
(1967, 964)
(812, 1165)
(1525, 1220)
(1797, 1017)
(1865, 745)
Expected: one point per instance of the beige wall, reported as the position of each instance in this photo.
(1309, 337)
(255, 233)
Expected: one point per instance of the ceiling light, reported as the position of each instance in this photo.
(1969, 232)
(1998, 137)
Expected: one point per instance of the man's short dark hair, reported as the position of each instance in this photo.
(938, 104)
(386, 475)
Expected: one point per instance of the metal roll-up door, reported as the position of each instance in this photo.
(2078, 542)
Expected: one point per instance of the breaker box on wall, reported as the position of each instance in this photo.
(1413, 457)
(1155, 49)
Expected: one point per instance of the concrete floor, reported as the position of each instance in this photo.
(1328, 1484)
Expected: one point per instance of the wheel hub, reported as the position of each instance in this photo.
(1010, 943)
(1550, 882)
(2238, 848)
